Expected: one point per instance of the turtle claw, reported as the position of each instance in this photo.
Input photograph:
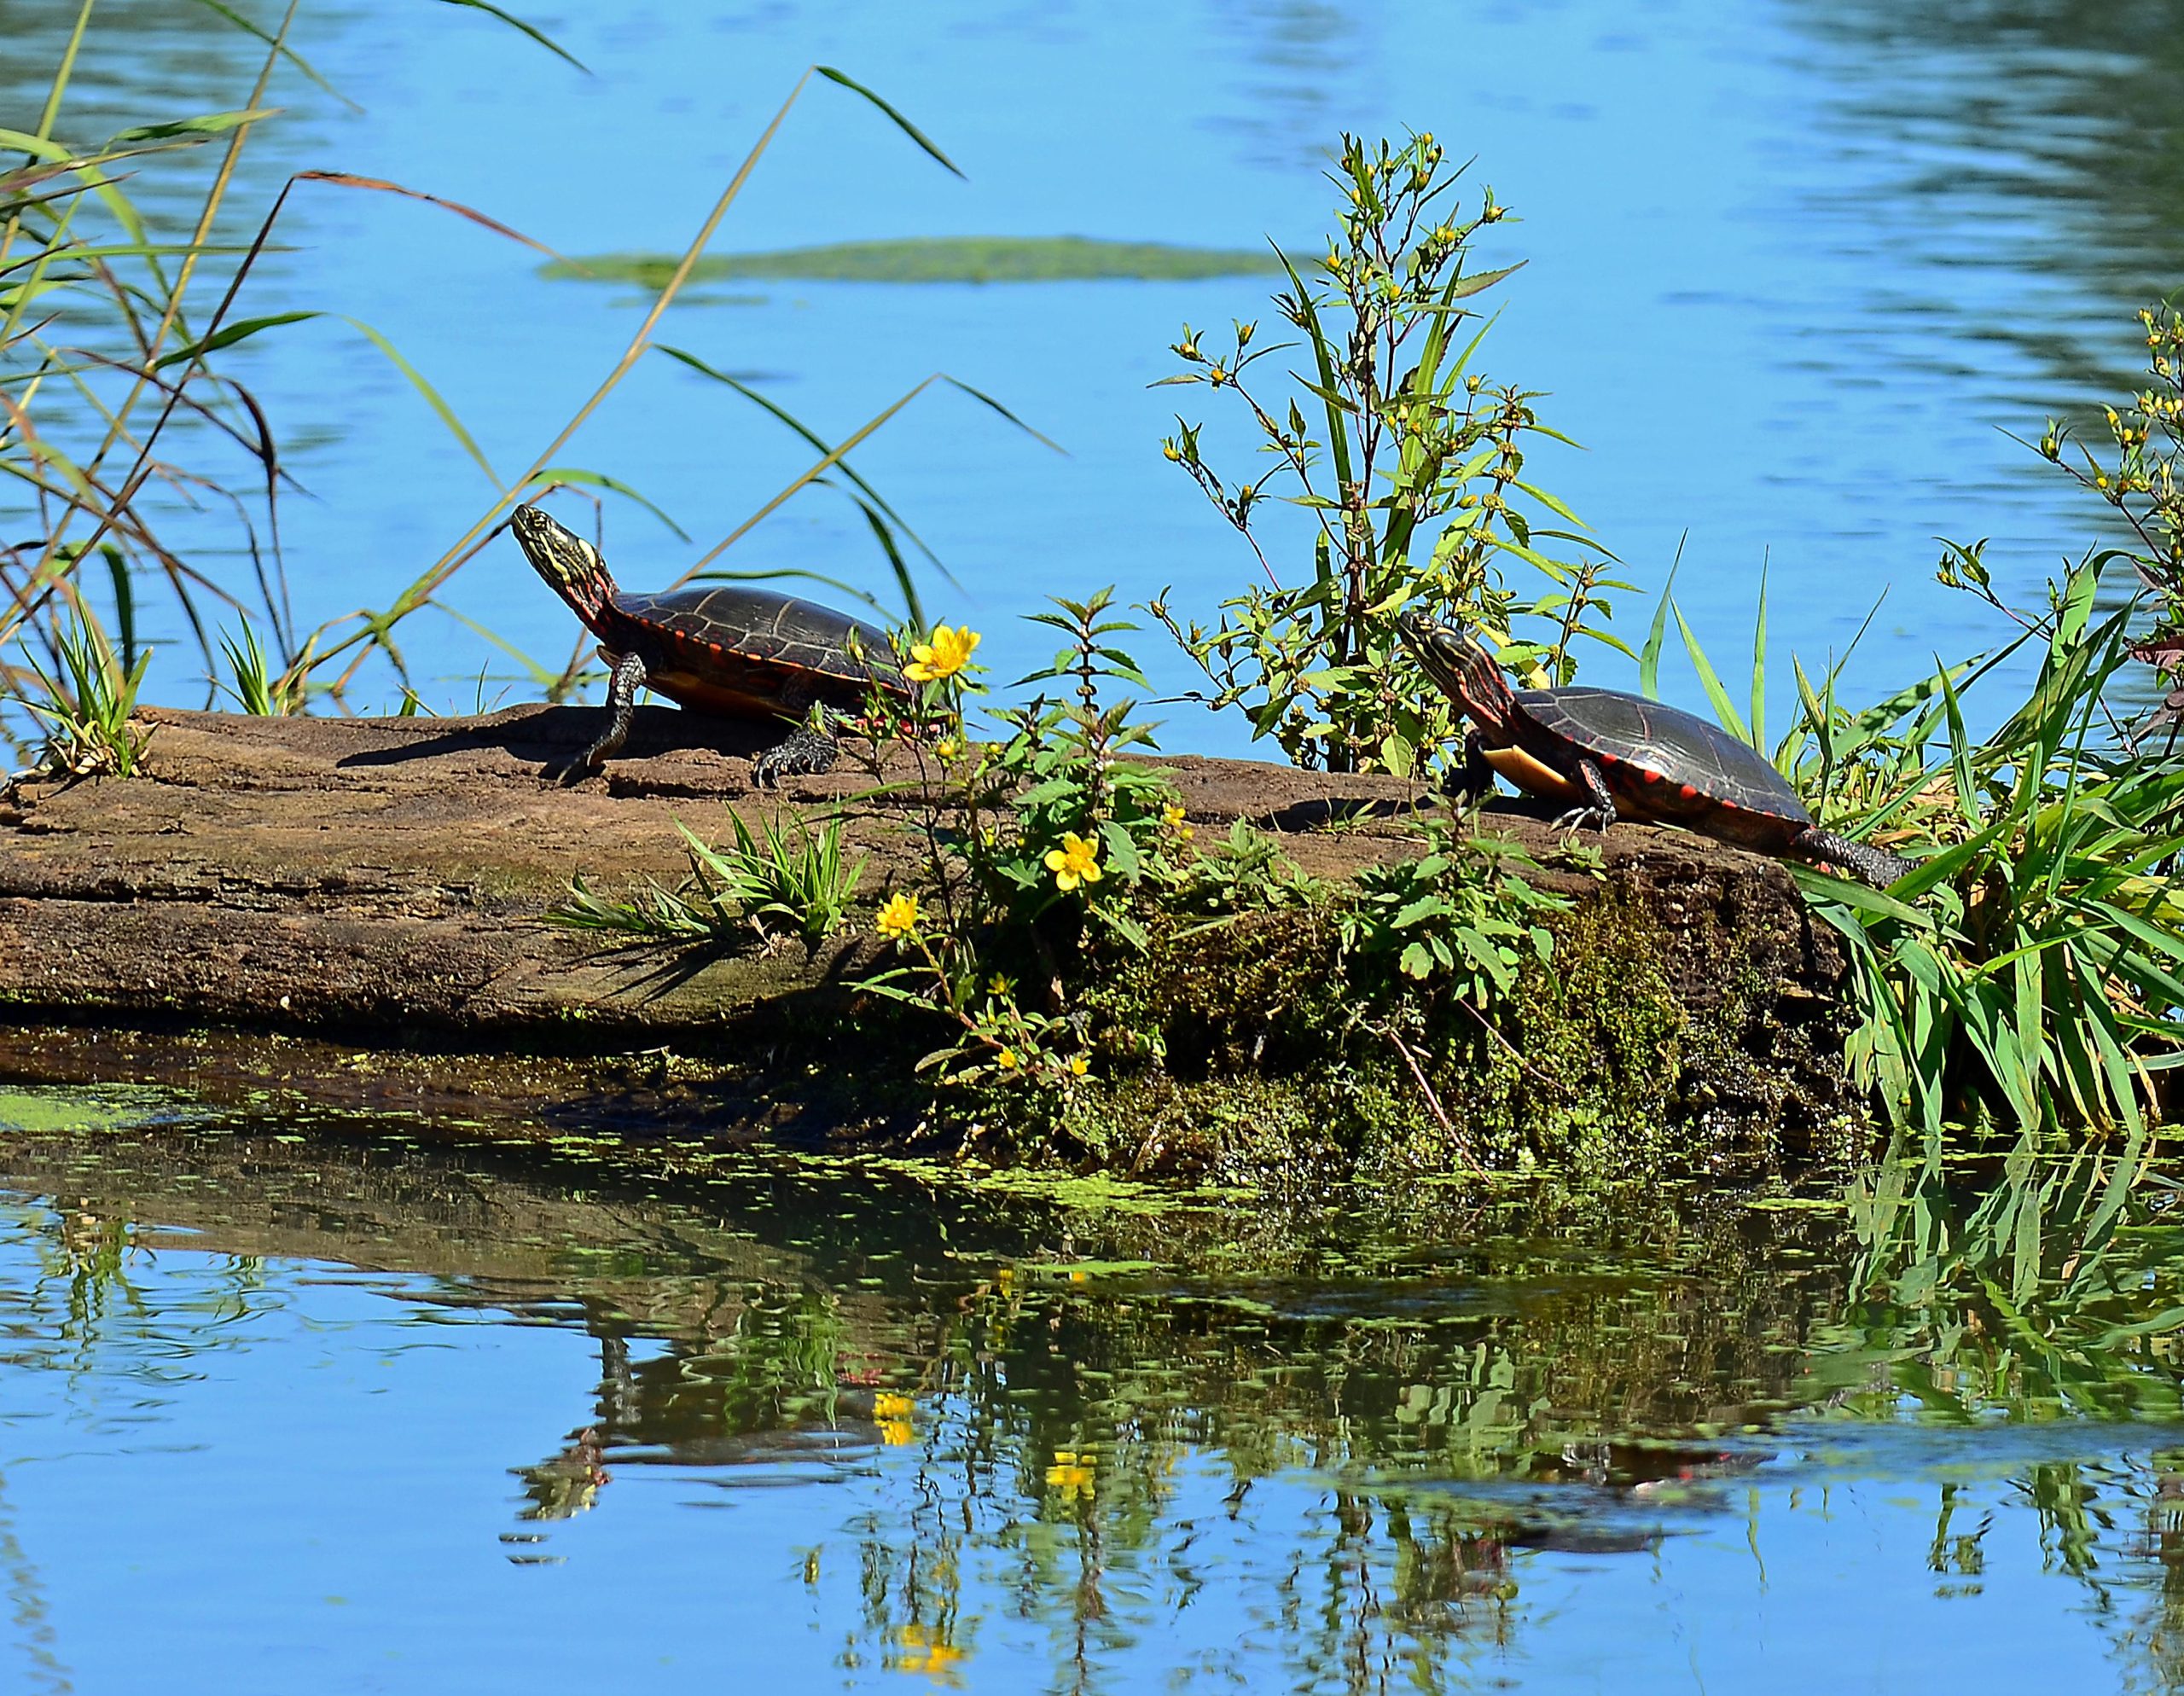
(787, 761)
(805, 752)
(1585, 818)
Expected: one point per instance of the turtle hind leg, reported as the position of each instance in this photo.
(622, 684)
(1599, 808)
(1875, 866)
(808, 750)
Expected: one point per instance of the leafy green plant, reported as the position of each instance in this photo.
(1462, 911)
(86, 708)
(2031, 968)
(1033, 846)
(793, 881)
(1416, 454)
(2138, 480)
(1245, 872)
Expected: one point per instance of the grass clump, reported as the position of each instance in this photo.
(783, 881)
(85, 706)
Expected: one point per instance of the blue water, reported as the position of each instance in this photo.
(1792, 271)
(363, 1415)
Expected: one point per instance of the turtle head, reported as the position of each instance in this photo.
(571, 565)
(1466, 672)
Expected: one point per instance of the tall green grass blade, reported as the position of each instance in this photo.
(228, 335)
(281, 47)
(1759, 663)
(125, 603)
(843, 80)
(206, 124)
(515, 23)
(1724, 709)
(1649, 656)
(430, 396)
(551, 476)
(810, 437)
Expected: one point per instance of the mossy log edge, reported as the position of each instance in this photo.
(364, 898)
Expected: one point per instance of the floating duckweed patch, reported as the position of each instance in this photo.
(942, 259)
(68, 1110)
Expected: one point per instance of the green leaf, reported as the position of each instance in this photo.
(206, 124)
(228, 334)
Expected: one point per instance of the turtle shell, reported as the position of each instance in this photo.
(1663, 764)
(741, 649)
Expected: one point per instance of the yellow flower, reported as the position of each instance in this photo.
(1075, 861)
(888, 1405)
(1006, 1060)
(946, 747)
(899, 917)
(947, 653)
(1079, 1065)
(1172, 814)
(999, 986)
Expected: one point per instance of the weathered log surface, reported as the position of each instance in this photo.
(382, 881)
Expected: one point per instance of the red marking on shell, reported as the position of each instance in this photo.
(1653, 776)
(1607, 759)
(1686, 791)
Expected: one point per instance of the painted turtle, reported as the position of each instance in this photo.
(1620, 756)
(735, 650)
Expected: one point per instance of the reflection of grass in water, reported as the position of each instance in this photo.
(943, 259)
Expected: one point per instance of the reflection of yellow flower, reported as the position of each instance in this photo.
(1078, 1065)
(1075, 861)
(947, 653)
(899, 917)
(1072, 1472)
(928, 1651)
(897, 1433)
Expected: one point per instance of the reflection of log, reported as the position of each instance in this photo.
(382, 882)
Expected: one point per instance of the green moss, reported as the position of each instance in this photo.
(953, 258)
(1273, 1054)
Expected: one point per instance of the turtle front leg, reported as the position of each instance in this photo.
(1473, 781)
(1599, 810)
(622, 684)
(810, 748)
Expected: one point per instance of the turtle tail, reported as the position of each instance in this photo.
(1875, 866)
